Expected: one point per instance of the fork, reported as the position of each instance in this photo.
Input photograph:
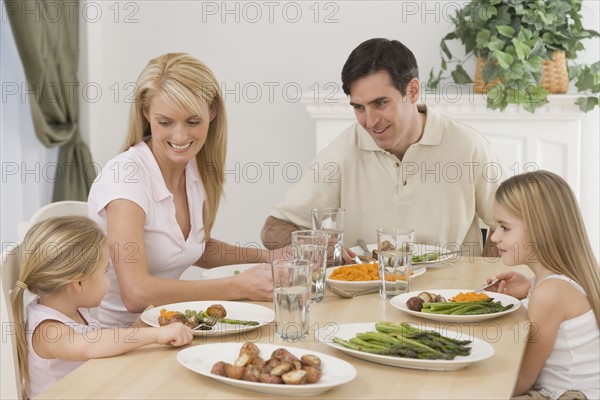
(207, 322)
(487, 285)
(348, 295)
(211, 320)
(363, 259)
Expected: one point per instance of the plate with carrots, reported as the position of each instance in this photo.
(455, 305)
(356, 277)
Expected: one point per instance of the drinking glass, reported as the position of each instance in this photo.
(311, 245)
(395, 248)
(292, 281)
(331, 220)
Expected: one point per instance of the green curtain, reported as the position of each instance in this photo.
(47, 37)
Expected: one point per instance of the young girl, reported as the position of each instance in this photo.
(540, 225)
(64, 263)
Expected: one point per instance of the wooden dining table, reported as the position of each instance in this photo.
(154, 372)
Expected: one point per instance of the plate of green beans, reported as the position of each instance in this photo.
(496, 305)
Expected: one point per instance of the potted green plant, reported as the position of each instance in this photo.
(513, 41)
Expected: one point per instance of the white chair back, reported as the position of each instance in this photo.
(10, 378)
(56, 209)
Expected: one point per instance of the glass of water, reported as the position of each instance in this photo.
(395, 248)
(331, 220)
(312, 246)
(292, 281)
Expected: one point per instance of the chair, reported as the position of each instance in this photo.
(56, 209)
(10, 378)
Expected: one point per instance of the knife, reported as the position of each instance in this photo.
(364, 248)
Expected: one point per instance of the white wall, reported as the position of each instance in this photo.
(247, 50)
(273, 52)
(27, 170)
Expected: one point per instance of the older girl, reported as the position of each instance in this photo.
(540, 225)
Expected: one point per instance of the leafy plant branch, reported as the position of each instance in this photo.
(515, 37)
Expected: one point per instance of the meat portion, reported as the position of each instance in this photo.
(171, 317)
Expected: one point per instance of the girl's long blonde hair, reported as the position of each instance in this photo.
(54, 252)
(184, 80)
(547, 205)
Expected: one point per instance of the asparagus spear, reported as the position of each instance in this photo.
(487, 306)
(231, 321)
(433, 256)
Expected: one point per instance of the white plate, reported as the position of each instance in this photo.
(480, 350)
(235, 310)
(418, 249)
(225, 271)
(400, 303)
(201, 358)
(362, 285)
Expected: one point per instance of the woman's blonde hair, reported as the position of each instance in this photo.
(183, 80)
(55, 252)
(549, 209)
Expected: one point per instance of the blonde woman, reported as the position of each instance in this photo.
(540, 225)
(158, 199)
(64, 263)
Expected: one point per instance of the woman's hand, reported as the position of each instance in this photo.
(257, 283)
(511, 283)
(174, 334)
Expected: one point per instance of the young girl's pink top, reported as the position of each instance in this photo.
(43, 372)
(135, 176)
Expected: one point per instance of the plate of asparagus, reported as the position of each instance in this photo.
(406, 345)
(438, 305)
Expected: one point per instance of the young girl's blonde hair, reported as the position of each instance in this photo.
(183, 80)
(547, 205)
(54, 252)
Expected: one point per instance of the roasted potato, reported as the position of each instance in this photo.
(295, 377)
(234, 372)
(216, 310)
(248, 353)
(281, 353)
(310, 360)
(219, 369)
(426, 297)
(268, 378)
(251, 374)
(439, 298)
(281, 368)
(259, 363)
(313, 373)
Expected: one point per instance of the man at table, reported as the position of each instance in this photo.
(401, 164)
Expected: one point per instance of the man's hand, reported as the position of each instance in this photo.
(277, 233)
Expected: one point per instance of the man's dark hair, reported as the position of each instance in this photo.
(376, 55)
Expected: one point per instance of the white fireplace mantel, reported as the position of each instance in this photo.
(548, 139)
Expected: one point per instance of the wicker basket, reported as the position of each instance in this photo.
(555, 77)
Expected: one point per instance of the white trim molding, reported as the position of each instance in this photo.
(550, 138)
